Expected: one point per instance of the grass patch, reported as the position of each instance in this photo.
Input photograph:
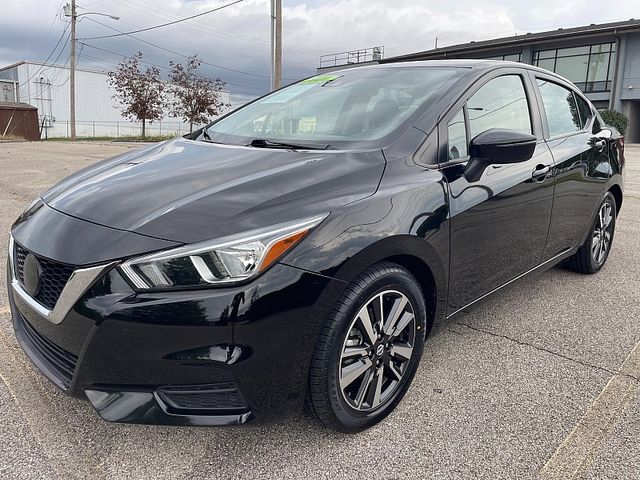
(12, 138)
(151, 138)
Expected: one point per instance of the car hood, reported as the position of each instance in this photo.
(188, 191)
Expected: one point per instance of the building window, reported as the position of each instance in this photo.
(513, 57)
(590, 67)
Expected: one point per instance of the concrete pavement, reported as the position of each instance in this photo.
(535, 376)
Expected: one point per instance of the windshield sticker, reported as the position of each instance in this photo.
(293, 91)
(319, 79)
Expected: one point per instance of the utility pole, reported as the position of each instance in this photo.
(70, 11)
(276, 44)
(72, 73)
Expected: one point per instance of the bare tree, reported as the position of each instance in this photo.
(139, 93)
(196, 98)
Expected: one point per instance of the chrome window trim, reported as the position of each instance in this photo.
(79, 282)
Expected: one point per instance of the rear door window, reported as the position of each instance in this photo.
(561, 109)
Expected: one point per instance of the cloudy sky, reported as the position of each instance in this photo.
(235, 41)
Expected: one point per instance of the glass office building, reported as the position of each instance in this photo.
(588, 66)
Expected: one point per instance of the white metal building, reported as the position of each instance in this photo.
(47, 88)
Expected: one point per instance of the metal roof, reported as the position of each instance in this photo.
(52, 65)
(516, 40)
(16, 106)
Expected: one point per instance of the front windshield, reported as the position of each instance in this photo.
(353, 105)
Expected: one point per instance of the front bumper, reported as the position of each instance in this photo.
(219, 356)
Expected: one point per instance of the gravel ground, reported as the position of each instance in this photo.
(500, 389)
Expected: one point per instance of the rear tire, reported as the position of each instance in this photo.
(593, 253)
(368, 350)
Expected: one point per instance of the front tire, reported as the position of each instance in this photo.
(593, 254)
(368, 351)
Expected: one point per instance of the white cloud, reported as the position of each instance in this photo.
(238, 37)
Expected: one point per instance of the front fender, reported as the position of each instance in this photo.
(406, 219)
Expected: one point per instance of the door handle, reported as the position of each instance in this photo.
(541, 172)
(600, 145)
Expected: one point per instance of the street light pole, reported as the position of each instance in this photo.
(72, 73)
(70, 11)
(276, 44)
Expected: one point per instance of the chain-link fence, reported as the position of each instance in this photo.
(115, 129)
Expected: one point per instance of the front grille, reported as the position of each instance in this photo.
(53, 277)
(19, 255)
(214, 397)
(57, 360)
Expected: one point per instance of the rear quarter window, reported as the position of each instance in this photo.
(584, 110)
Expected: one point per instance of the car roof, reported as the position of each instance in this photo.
(472, 64)
(478, 66)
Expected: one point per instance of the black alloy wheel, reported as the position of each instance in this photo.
(369, 349)
(376, 352)
(593, 254)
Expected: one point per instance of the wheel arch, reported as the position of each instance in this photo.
(424, 275)
(616, 191)
(415, 254)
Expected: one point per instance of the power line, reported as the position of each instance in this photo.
(165, 24)
(64, 67)
(173, 52)
(221, 33)
(208, 30)
(122, 55)
(187, 56)
(89, 4)
(94, 59)
(117, 54)
(55, 17)
(43, 64)
(53, 64)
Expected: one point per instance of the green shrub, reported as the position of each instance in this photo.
(615, 119)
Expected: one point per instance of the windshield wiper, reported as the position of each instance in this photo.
(263, 143)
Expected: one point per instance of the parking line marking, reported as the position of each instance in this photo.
(575, 455)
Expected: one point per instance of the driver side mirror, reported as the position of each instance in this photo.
(497, 146)
(500, 146)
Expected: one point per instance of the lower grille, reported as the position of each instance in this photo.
(213, 398)
(56, 360)
(53, 277)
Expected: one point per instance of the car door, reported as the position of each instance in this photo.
(580, 151)
(499, 217)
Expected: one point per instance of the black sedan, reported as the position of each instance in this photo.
(298, 251)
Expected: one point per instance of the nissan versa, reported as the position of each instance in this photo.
(297, 251)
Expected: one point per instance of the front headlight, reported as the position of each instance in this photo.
(224, 260)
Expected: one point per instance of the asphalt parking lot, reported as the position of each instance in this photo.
(541, 380)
